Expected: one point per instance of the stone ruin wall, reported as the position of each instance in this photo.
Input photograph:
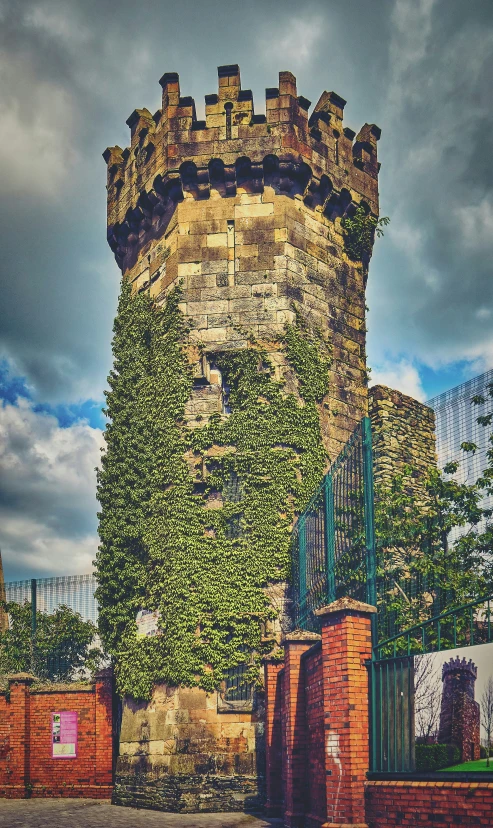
(179, 753)
(403, 432)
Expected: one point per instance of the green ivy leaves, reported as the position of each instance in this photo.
(359, 232)
(162, 547)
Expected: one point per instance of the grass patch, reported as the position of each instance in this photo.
(478, 765)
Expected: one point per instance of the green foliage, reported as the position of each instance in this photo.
(310, 363)
(421, 574)
(205, 569)
(62, 648)
(359, 232)
(434, 757)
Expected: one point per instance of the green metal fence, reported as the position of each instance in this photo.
(463, 626)
(392, 737)
(333, 541)
(392, 691)
(74, 591)
(334, 554)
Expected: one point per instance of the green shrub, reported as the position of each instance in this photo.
(434, 757)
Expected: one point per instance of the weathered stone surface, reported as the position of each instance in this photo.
(188, 793)
(177, 753)
(403, 435)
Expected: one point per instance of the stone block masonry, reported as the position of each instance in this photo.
(179, 754)
(27, 768)
(403, 435)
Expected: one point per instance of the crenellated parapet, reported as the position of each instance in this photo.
(173, 156)
(457, 666)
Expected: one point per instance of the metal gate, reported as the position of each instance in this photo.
(333, 541)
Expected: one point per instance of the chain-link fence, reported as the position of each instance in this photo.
(52, 628)
(74, 591)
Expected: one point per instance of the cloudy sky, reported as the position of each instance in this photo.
(71, 72)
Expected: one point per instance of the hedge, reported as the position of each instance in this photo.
(434, 757)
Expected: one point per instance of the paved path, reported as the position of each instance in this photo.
(90, 813)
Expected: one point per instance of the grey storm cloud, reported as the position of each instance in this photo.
(72, 71)
(431, 290)
(47, 493)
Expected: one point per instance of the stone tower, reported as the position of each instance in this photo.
(459, 713)
(244, 212)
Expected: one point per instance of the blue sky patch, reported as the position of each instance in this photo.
(13, 387)
(436, 381)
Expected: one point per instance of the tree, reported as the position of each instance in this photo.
(486, 705)
(62, 648)
(420, 573)
(427, 697)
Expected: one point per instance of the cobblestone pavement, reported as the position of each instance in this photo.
(91, 813)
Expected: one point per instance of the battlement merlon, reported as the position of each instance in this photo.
(458, 665)
(162, 143)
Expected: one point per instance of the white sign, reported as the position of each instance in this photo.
(148, 623)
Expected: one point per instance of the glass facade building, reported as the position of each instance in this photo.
(456, 423)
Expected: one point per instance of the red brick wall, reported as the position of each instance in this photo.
(274, 680)
(294, 735)
(26, 764)
(346, 646)
(294, 728)
(314, 710)
(321, 703)
(439, 804)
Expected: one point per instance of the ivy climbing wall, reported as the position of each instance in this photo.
(239, 373)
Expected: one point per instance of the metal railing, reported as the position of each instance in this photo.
(333, 540)
(334, 555)
(392, 738)
(392, 690)
(463, 626)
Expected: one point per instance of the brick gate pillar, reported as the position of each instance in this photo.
(294, 728)
(103, 720)
(346, 645)
(19, 685)
(273, 675)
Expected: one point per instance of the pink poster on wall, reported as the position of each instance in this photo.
(64, 734)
